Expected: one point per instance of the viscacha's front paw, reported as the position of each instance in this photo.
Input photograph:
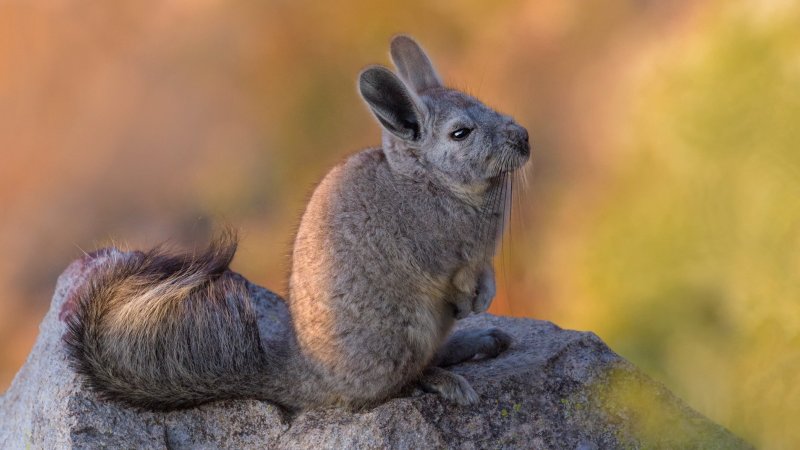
(485, 291)
(451, 386)
(463, 308)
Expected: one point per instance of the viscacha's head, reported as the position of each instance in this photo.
(435, 129)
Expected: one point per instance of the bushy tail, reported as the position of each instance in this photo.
(164, 330)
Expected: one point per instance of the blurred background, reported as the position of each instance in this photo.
(662, 209)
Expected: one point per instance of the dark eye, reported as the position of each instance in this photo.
(460, 134)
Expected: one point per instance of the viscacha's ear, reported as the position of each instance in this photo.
(397, 109)
(413, 64)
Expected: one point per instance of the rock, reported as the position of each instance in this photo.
(553, 388)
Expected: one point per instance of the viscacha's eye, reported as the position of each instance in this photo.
(460, 134)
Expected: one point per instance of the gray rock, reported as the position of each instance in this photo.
(553, 389)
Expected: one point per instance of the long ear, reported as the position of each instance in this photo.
(413, 64)
(396, 108)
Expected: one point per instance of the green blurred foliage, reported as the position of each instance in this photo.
(693, 256)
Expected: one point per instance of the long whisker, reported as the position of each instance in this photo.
(508, 205)
(518, 202)
(497, 210)
(523, 195)
(488, 207)
(505, 254)
(501, 210)
(496, 202)
(503, 207)
(524, 176)
(487, 213)
(79, 248)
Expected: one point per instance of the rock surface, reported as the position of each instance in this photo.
(554, 388)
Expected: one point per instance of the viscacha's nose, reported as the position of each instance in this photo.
(519, 138)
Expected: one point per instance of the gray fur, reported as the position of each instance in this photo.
(395, 244)
(464, 345)
(413, 64)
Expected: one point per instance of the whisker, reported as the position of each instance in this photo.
(522, 196)
(484, 215)
(500, 208)
(487, 225)
(496, 212)
(488, 233)
(519, 204)
(79, 248)
(509, 204)
(504, 242)
(524, 176)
